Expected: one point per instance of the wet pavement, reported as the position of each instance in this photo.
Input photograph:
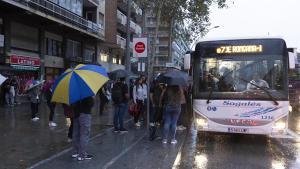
(24, 143)
(294, 122)
(130, 150)
(226, 151)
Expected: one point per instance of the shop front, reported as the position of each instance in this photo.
(23, 68)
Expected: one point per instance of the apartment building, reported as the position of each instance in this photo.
(116, 31)
(170, 51)
(42, 38)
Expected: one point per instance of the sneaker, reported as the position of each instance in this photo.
(35, 119)
(123, 130)
(181, 127)
(75, 155)
(138, 124)
(116, 130)
(164, 141)
(52, 124)
(174, 141)
(87, 157)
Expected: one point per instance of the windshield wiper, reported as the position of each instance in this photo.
(266, 91)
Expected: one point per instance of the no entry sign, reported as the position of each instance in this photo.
(140, 47)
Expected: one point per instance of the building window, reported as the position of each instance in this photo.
(74, 50)
(103, 57)
(120, 61)
(53, 47)
(114, 60)
(88, 55)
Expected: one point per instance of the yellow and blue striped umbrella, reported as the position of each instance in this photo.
(78, 83)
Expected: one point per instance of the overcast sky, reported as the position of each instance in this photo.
(258, 18)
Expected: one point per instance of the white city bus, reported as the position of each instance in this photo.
(241, 86)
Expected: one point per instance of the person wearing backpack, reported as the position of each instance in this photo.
(120, 98)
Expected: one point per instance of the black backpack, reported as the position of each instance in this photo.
(117, 94)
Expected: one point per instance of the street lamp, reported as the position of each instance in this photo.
(215, 27)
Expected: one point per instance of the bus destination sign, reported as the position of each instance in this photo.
(239, 49)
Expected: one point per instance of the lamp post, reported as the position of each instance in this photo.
(193, 45)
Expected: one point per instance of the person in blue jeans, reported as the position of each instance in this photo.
(171, 98)
(120, 98)
(82, 127)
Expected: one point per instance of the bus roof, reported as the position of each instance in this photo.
(239, 38)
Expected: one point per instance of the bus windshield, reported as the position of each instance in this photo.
(241, 77)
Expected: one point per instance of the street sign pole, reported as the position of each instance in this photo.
(140, 45)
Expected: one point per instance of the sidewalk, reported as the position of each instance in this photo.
(130, 150)
(24, 143)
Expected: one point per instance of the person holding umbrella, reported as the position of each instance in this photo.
(77, 88)
(171, 99)
(34, 92)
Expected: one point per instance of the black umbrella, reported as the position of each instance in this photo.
(119, 73)
(174, 78)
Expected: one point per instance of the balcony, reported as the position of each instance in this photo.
(90, 3)
(58, 12)
(137, 29)
(122, 19)
(135, 8)
(121, 42)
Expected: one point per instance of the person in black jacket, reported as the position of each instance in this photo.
(82, 127)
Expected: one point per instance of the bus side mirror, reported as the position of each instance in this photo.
(187, 61)
(292, 60)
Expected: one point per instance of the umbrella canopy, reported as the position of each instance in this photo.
(35, 84)
(2, 79)
(119, 73)
(78, 83)
(174, 78)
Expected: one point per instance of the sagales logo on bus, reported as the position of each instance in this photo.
(241, 104)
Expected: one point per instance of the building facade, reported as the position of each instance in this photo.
(170, 49)
(42, 38)
(116, 32)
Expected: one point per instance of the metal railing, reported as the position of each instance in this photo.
(57, 11)
(137, 9)
(121, 41)
(122, 19)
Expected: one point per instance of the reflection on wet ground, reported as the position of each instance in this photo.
(294, 122)
(24, 142)
(225, 151)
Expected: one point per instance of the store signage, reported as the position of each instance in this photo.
(140, 47)
(240, 49)
(25, 60)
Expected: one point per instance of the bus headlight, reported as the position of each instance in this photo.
(201, 121)
(280, 124)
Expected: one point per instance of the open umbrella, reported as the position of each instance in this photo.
(78, 83)
(119, 73)
(2, 79)
(174, 78)
(35, 84)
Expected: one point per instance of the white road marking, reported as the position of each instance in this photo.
(112, 161)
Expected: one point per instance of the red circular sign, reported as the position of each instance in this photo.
(140, 47)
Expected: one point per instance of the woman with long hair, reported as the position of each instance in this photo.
(171, 98)
(138, 98)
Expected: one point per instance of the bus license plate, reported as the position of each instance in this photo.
(237, 130)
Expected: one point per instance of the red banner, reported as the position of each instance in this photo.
(25, 60)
